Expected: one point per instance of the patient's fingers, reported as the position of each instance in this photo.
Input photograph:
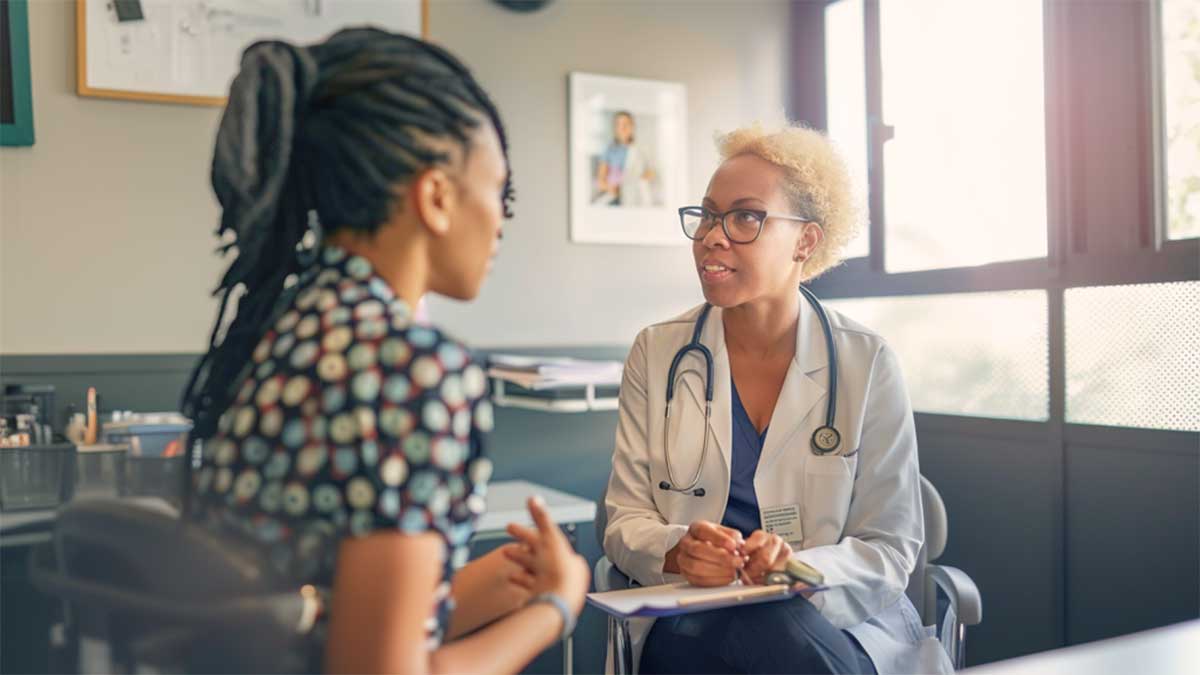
(525, 535)
(522, 579)
(521, 555)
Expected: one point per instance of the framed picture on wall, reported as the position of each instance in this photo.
(188, 51)
(16, 97)
(628, 159)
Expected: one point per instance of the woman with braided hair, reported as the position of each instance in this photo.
(340, 439)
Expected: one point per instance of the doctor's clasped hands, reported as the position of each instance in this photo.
(714, 555)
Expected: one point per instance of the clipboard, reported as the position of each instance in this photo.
(684, 598)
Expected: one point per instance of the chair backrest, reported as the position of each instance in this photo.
(135, 574)
(935, 543)
(601, 522)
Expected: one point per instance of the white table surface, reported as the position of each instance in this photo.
(1162, 651)
(506, 504)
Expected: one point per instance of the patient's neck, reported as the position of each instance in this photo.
(399, 256)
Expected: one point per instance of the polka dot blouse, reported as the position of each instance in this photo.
(350, 419)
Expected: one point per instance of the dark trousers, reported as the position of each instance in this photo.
(789, 636)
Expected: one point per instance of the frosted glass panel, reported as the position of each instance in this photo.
(978, 354)
(1133, 355)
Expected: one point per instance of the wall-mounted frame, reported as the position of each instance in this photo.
(16, 98)
(188, 51)
(628, 158)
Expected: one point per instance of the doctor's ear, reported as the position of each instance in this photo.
(806, 244)
(434, 194)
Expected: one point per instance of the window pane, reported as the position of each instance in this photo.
(1133, 356)
(1181, 109)
(846, 99)
(979, 354)
(965, 174)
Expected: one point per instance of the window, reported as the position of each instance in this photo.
(846, 99)
(1181, 115)
(1009, 151)
(980, 354)
(1133, 355)
(965, 171)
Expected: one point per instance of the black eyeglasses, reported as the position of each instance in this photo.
(741, 226)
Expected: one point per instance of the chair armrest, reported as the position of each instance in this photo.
(962, 591)
(606, 577)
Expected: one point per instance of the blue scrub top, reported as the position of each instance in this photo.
(741, 513)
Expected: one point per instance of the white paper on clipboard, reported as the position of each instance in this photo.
(683, 598)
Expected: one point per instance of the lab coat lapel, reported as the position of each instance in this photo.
(804, 388)
(721, 421)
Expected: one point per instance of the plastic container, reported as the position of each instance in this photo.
(155, 477)
(155, 462)
(151, 434)
(36, 476)
(100, 470)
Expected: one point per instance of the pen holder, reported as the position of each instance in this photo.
(100, 470)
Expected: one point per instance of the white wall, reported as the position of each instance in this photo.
(105, 224)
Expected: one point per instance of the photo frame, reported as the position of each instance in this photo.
(628, 159)
(188, 51)
(16, 96)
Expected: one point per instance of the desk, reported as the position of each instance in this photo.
(1164, 651)
(506, 504)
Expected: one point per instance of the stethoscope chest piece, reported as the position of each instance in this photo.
(826, 440)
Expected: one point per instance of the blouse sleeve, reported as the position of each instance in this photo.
(421, 409)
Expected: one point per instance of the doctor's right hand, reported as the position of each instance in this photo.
(708, 555)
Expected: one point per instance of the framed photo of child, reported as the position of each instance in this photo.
(628, 159)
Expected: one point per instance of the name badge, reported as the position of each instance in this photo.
(785, 522)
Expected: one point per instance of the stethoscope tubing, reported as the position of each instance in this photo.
(825, 440)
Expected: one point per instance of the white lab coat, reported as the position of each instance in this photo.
(861, 518)
(636, 190)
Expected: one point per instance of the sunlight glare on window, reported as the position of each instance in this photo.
(846, 100)
(1181, 111)
(965, 174)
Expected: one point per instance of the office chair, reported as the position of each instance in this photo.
(140, 591)
(944, 596)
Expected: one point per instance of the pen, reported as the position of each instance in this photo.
(745, 577)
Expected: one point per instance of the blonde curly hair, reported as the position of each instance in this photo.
(816, 182)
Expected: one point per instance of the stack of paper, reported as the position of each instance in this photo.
(538, 373)
(683, 598)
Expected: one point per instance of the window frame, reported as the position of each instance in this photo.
(1085, 247)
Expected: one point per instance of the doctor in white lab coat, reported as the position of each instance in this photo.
(777, 212)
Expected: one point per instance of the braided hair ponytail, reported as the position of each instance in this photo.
(316, 136)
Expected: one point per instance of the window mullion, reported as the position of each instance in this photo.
(877, 133)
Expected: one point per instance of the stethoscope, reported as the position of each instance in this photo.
(825, 440)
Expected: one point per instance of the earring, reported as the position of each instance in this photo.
(799, 258)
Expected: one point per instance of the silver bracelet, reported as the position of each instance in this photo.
(558, 603)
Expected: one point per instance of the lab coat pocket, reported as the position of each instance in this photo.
(832, 465)
(828, 486)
